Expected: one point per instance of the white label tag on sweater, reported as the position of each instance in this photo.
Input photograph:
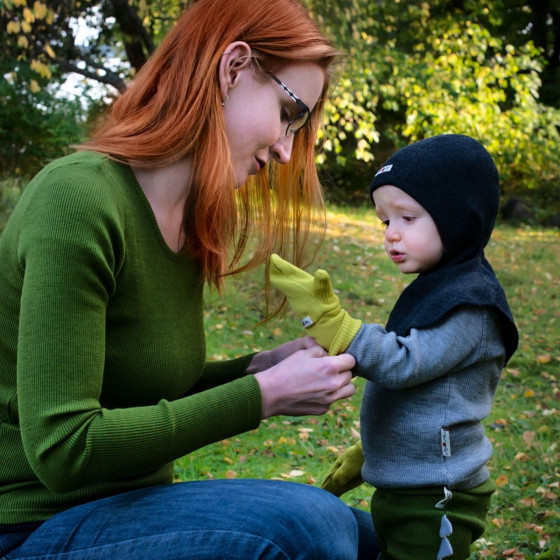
(445, 443)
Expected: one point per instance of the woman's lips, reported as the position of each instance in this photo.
(259, 164)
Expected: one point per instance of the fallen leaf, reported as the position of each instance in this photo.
(502, 480)
(528, 502)
(509, 552)
(528, 437)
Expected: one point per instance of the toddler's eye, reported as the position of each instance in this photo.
(408, 218)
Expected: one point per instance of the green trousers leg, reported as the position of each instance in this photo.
(429, 523)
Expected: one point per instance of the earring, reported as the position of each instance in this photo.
(225, 100)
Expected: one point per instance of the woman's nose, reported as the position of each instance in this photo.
(282, 149)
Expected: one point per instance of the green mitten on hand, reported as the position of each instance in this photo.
(313, 300)
(346, 473)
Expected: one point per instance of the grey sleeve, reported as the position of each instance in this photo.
(397, 362)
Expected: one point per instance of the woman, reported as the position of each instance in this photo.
(103, 379)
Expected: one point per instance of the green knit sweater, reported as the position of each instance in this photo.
(103, 379)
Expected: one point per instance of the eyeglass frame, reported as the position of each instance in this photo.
(304, 108)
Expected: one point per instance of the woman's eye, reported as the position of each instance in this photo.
(284, 115)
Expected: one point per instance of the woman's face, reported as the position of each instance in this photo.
(258, 110)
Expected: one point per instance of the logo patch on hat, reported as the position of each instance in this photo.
(384, 169)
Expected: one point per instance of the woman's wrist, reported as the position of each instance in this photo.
(260, 362)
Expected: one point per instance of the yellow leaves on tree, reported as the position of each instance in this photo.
(13, 27)
(49, 51)
(42, 69)
(24, 25)
(28, 15)
(40, 10)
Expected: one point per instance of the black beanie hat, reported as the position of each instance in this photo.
(455, 179)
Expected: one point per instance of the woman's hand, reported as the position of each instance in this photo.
(268, 358)
(306, 382)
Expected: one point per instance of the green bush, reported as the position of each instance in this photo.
(35, 127)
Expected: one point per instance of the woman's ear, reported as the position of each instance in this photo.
(235, 58)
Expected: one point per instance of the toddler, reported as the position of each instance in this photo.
(432, 371)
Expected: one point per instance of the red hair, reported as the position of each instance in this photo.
(173, 108)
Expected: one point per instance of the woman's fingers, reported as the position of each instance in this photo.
(307, 382)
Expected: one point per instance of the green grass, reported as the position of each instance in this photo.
(524, 520)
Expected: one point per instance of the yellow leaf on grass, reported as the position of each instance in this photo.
(502, 480)
(528, 437)
(528, 502)
(303, 435)
(543, 358)
(529, 393)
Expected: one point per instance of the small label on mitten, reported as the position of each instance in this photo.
(306, 322)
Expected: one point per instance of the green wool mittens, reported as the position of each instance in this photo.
(345, 474)
(313, 300)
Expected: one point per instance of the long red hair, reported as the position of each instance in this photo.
(173, 109)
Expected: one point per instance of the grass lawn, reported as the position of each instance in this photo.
(524, 425)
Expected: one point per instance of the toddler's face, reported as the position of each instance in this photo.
(412, 240)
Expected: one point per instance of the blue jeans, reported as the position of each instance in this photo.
(234, 519)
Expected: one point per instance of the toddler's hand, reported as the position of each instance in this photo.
(346, 472)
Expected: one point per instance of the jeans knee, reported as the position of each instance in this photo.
(322, 527)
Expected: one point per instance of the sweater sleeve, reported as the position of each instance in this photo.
(222, 371)
(400, 362)
(70, 250)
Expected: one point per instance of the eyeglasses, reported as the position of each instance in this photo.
(298, 122)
